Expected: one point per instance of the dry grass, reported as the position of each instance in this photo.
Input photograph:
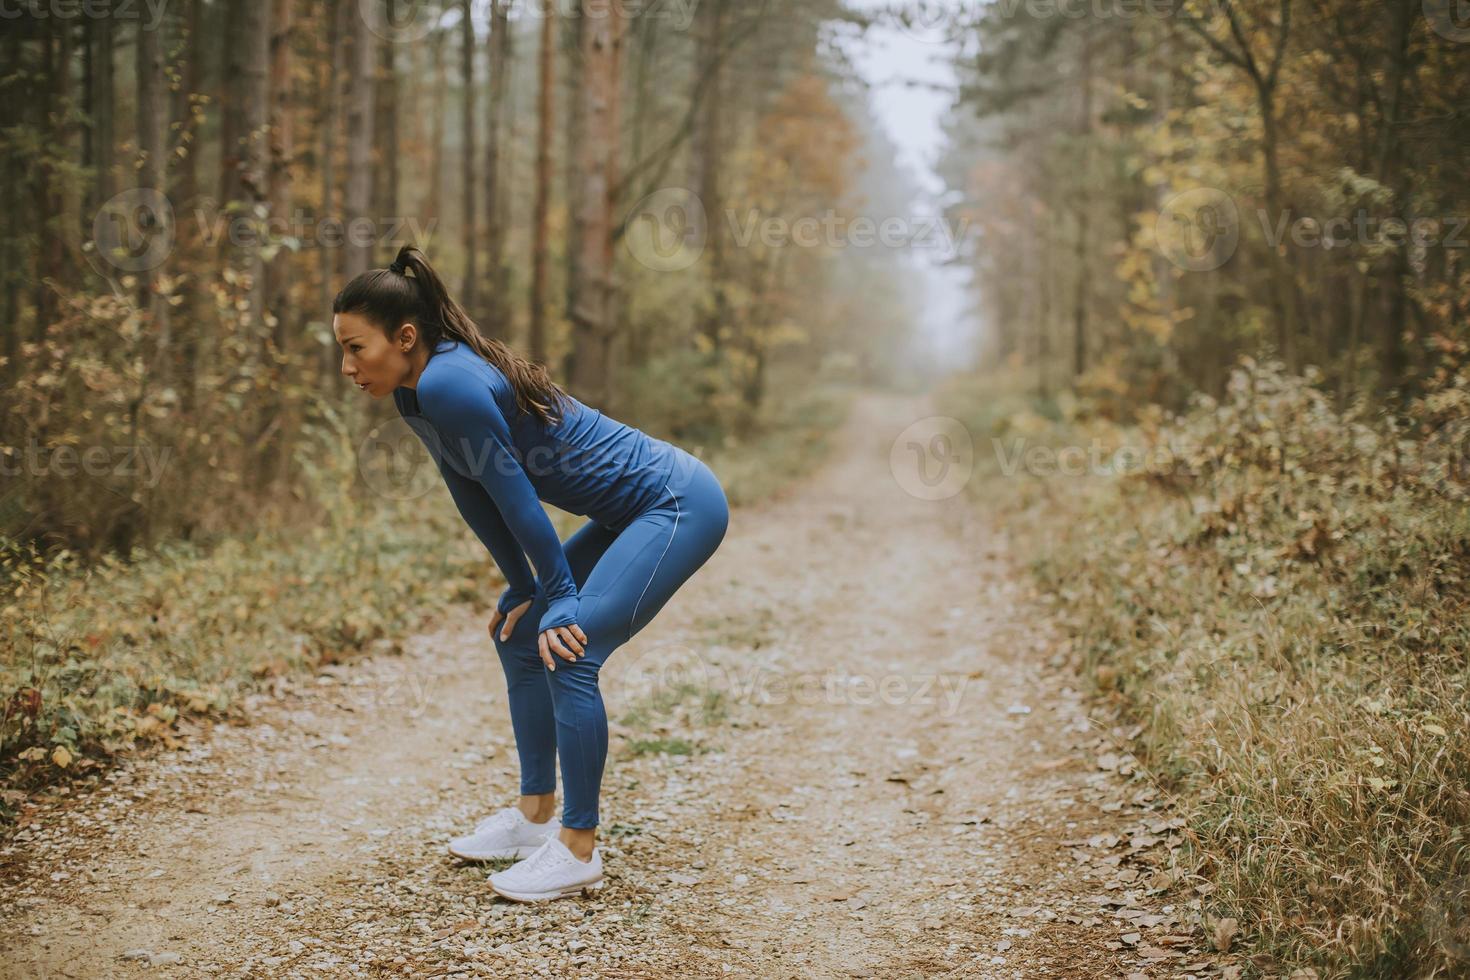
(1283, 606)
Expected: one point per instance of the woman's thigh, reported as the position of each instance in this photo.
(650, 559)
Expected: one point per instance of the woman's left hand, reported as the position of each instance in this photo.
(557, 639)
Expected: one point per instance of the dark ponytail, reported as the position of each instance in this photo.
(391, 297)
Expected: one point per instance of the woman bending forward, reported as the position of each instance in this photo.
(506, 437)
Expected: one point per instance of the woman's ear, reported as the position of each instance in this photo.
(407, 335)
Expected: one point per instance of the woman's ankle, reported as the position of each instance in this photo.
(538, 809)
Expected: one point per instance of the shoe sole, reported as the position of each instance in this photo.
(524, 851)
(583, 889)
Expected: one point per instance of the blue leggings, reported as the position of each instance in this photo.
(623, 579)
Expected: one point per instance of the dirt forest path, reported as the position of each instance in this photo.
(845, 749)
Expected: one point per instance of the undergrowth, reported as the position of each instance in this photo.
(1277, 591)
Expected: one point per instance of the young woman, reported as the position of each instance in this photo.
(505, 437)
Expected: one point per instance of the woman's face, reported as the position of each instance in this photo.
(374, 363)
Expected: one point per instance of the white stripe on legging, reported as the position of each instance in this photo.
(634, 618)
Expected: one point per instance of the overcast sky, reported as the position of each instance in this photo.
(913, 89)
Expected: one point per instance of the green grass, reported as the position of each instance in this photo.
(662, 746)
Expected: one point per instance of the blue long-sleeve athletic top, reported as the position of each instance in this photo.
(499, 463)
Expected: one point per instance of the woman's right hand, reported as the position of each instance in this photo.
(510, 618)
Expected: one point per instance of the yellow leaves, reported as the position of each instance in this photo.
(61, 757)
(807, 140)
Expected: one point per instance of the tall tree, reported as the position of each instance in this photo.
(358, 254)
(1241, 35)
(593, 307)
(497, 306)
(282, 154)
(467, 153)
(541, 216)
(152, 162)
(709, 154)
(329, 125)
(387, 145)
(101, 105)
(246, 174)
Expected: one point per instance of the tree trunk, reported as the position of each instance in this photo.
(358, 251)
(1283, 276)
(435, 204)
(247, 180)
(467, 157)
(496, 305)
(14, 193)
(103, 80)
(330, 86)
(540, 243)
(592, 312)
(386, 127)
(710, 157)
(282, 154)
(1392, 353)
(152, 159)
(1084, 207)
(573, 169)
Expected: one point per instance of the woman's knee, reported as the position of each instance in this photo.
(516, 654)
(574, 681)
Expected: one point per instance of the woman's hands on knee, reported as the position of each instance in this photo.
(510, 619)
(557, 640)
(567, 642)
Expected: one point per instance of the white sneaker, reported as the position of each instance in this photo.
(552, 872)
(504, 834)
